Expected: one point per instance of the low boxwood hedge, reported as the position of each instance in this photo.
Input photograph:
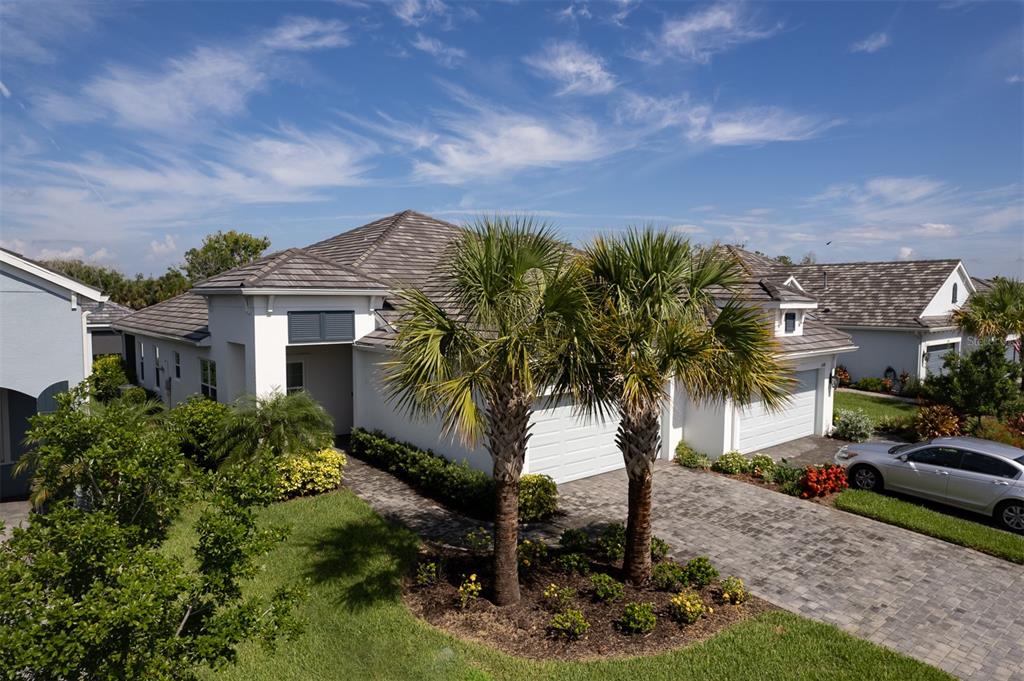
(454, 484)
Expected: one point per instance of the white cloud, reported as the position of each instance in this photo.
(578, 70)
(906, 253)
(935, 230)
(758, 125)
(446, 55)
(688, 228)
(72, 253)
(159, 249)
(305, 33)
(4, 91)
(873, 43)
(33, 30)
(416, 12)
(708, 31)
(902, 189)
(573, 12)
(1015, 78)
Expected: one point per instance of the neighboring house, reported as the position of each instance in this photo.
(899, 314)
(45, 348)
(106, 340)
(321, 318)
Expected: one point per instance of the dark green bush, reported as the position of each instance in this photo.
(659, 549)
(538, 497)
(871, 384)
(573, 562)
(637, 618)
(688, 457)
(570, 625)
(197, 424)
(606, 588)
(982, 383)
(787, 478)
(611, 543)
(574, 540)
(135, 394)
(700, 572)
(731, 463)
(669, 576)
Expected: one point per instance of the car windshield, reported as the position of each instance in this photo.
(899, 448)
(1020, 460)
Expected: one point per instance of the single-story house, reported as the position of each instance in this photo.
(899, 314)
(45, 349)
(321, 318)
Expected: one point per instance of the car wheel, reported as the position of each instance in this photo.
(865, 477)
(1010, 515)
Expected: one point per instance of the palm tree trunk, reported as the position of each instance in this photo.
(638, 437)
(509, 413)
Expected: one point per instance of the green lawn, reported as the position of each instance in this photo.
(357, 627)
(933, 523)
(875, 406)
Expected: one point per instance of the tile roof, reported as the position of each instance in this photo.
(183, 316)
(817, 337)
(294, 268)
(106, 313)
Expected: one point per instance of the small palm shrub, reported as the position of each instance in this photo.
(538, 497)
(688, 457)
(574, 540)
(573, 563)
(731, 463)
(312, 473)
(700, 572)
(427, 573)
(469, 591)
(637, 618)
(762, 466)
(733, 591)
(936, 421)
(687, 607)
(852, 424)
(606, 588)
(532, 553)
(480, 541)
(659, 549)
(569, 624)
(669, 576)
(611, 543)
(558, 598)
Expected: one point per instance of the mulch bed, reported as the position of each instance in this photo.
(521, 630)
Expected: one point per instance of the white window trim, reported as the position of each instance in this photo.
(211, 388)
(142, 362)
(177, 364)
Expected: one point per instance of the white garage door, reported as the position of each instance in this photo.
(568, 448)
(935, 362)
(760, 428)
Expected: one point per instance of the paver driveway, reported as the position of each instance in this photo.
(946, 605)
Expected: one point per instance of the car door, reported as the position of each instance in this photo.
(980, 481)
(925, 472)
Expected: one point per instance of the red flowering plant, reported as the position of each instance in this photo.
(820, 481)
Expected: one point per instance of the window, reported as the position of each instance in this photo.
(177, 364)
(315, 327)
(294, 378)
(936, 456)
(956, 291)
(156, 364)
(987, 465)
(208, 378)
(790, 322)
(142, 362)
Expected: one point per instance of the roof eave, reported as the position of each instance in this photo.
(139, 331)
(820, 351)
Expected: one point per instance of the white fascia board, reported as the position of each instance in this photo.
(52, 277)
(913, 329)
(798, 306)
(165, 336)
(813, 353)
(792, 281)
(293, 291)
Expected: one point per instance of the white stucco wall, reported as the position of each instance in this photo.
(327, 376)
(174, 390)
(942, 302)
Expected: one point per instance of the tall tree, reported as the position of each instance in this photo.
(503, 324)
(221, 251)
(661, 317)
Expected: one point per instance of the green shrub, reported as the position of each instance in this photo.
(981, 383)
(312, 473)
(788, 478)
(570, 625)
(659, 549)
(134, 394)
(611, 543)
(912, 387)
(469, 591)
(899, 426)
(688, 457)
(669, 576)
(573, 562)
(107, 378)
(637, 618)
(990, 428)
(700, 572)
(853, 425)
(574, 540)
(538, 497)
(687, 607)
(733, 591)
(480, 541)
(763, 466)
(427, 573)
(606, 588)
(558, 598)
(936, 421)
(731, 463)
(198, 424)
(873, 385)
(532, 553)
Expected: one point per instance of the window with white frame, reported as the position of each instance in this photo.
(295, 377)
(208, 378)
(177, 364)
(142, 362)
(789, 321)
(956, 293)
(156, 364)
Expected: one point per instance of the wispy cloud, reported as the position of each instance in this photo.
(703, 33)
(905, 253)
(305, 33)
(159, 249)
(1015, 78)
(33, 31)
(4, 91)
(417, 12)
(873, 43)
(578, 70)
(446, 55)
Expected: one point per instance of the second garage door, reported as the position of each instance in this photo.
(760, 428)
(568, 448)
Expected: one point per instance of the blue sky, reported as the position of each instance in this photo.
(130, 130)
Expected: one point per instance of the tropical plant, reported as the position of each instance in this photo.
(505, 322)
(664, 311)
(107, 378)
(936, 420)
(981, 383)
(995, 313)
(274, 426)
(198, 424)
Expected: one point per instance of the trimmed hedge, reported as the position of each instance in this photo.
(453, 484)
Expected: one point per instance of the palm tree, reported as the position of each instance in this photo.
(501, 323)
(273, 426)
(995, 313)
(659, 318)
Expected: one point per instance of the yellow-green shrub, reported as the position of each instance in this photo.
(312, 473)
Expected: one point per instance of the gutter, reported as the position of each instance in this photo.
(812, 353)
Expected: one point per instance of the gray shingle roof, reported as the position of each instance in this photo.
(817, 337)
(294, 268)
(104, 314)
(183, 316)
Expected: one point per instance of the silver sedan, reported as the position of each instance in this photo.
(969, 473)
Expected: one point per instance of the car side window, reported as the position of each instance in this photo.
(987, 465)
(936, 456)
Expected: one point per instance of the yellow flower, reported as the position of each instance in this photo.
(472, 578)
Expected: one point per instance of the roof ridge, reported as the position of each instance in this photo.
(274, 260)
(873, 262)
(396, 220)
(338, 265)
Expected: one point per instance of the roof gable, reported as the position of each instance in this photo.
(45, 274)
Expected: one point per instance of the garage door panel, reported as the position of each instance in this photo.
(760, 428)
(568, 447)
